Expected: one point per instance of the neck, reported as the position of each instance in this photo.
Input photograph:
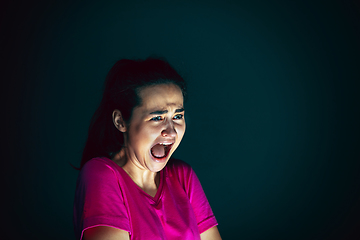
(145, 179)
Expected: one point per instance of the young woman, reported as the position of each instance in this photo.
(129, 187)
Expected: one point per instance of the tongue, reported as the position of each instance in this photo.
(158, 151)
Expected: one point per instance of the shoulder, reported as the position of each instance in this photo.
(98, 162)
(99, 167)
(176, 165)
(180, 170)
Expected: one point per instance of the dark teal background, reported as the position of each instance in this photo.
(272, 115)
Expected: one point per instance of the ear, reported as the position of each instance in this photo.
(118, 120)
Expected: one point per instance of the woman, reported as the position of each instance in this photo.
(129, 187)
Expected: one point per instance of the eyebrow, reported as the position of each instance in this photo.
(159, 112)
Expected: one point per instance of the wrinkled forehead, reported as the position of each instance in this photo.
(161, 97)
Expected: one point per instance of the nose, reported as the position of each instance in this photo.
(169, 131)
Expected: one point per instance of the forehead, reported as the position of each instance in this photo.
(160, 97)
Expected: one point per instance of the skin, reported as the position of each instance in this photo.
(160, 118)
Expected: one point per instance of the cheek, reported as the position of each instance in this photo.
(181, 131)
(137, 136)
(145, 136)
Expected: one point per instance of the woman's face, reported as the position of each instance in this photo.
(156, 127)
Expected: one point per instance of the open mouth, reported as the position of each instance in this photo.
(161, 151)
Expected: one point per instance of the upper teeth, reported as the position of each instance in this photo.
(165, 143)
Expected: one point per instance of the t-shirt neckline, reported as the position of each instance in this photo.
(158, 194)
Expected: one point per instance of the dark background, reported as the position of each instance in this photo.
(272, 115)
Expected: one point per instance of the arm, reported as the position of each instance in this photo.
(211, 234)
(98, 200)
(105, 233)
(199, 203)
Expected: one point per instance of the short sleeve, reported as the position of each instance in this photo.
(98, 198)
(204, 215)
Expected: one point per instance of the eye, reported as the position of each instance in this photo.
(156, 119)
(178, 116)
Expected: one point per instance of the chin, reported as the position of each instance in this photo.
(157, 164)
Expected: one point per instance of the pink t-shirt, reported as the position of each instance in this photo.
(107, 196)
